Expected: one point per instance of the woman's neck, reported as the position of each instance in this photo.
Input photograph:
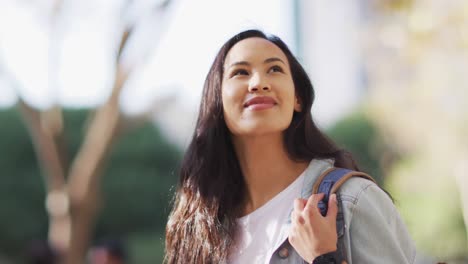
(266, 167)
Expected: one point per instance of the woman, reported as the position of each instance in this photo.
(246, 178)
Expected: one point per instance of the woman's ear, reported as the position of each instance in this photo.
(297, 105)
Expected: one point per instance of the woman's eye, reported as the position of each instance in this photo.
(239, 72)
(276, 69)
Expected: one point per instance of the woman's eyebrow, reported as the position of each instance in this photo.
(245, 63)
(237, 63)
(270, 60)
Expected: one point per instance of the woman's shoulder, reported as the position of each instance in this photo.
(354, 188)
(358, 188)
(374, 225)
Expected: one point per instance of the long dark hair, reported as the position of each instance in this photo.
(211, 187)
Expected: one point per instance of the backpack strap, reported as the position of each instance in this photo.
(331, 180)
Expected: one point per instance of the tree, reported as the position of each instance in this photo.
(137, 184)
(73, 201)
(357, 133)
(417, 56)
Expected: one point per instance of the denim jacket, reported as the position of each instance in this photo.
(369, 226)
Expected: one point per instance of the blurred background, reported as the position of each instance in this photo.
(98, 100)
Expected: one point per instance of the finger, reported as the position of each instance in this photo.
(300, 219)
(299, 204)
(296, 217)
(293, 216)
(332, 207)
(312, 203)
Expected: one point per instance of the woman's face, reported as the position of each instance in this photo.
(257, 89)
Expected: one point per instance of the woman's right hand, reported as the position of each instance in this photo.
(312, 234)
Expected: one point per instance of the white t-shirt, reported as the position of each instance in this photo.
(260, 232)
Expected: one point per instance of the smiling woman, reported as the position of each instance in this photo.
(257, 89)
(244, 193)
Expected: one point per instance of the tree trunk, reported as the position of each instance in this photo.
(45, 133)
(85, 174)
(73, 203)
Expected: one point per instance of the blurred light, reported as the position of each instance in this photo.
(57, 203)
(421, 21)
(8, 96)
(393, 36)
(88, 32)
(464, 36)
(184, 54)
(85, 74)
(25, 54)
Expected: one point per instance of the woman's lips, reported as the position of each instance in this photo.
(260, 106)
(260, 103)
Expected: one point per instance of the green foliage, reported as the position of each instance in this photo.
(430, 206)
(22, 211)
(136, 183)
(146, 248)
(417, 195)
(357, 134)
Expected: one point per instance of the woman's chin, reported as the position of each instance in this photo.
(260, 130)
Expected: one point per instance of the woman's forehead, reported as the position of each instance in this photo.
(251, 49)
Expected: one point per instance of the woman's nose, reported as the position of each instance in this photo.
(259, 83)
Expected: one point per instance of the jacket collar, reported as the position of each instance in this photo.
(313, 171)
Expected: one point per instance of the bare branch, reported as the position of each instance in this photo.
(85, 172)
(123, 43)
(45, 146)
